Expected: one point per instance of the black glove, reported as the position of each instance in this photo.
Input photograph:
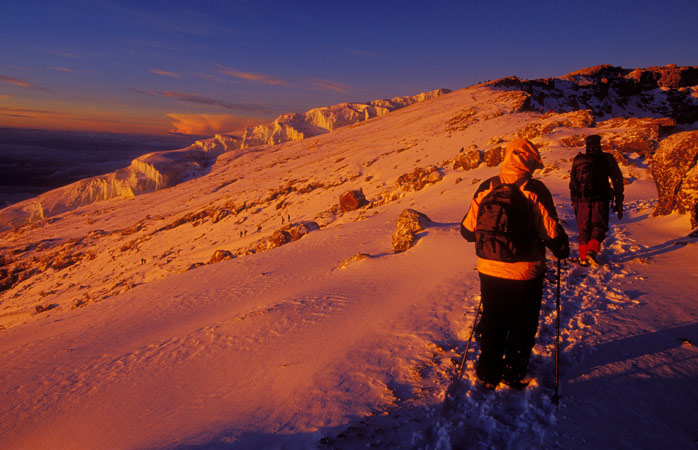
(619, 205)
(560, 246)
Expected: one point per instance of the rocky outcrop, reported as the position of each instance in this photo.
(549, 122)
(611, 91)
(670, 77)
(352, 200)
(409, 223)
(637, 135)
(674, 167)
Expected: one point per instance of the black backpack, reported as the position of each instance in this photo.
(504, 224)
(589, 178)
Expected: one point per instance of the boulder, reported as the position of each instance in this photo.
(409, 223)
(352, 200)
(673, 167)
(468, 160)
(494, 156)
(220, 255)
(297, 230)
(419, 178)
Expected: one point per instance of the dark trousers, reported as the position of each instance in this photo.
(592, 220)
(509, 322)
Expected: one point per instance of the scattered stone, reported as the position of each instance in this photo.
(349, 261)
(576, 140)
(468, 160)
(220, 255)
(352, 200)
(41, 308)
(419, 178)
(494, 156)
(409, 223)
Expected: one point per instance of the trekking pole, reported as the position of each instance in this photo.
(467, 347)
(556, 397)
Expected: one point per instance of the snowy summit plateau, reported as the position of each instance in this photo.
(303, 284)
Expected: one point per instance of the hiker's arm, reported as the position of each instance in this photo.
(468, 235)
(616, 178)
(469, 222)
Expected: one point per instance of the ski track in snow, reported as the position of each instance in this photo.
(508, 418)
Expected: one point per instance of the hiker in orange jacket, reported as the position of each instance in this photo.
(512, 286)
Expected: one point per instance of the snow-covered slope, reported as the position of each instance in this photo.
(200, 316)
(163, 169)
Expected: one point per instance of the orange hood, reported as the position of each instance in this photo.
(521, 158)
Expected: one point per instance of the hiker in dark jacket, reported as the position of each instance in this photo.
(512, 290)
(591, 196)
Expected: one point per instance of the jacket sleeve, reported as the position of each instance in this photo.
(574, 187)
(469, 222)
(616, 177)
(548, 227)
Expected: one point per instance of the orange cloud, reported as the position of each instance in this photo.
(16, 82)
(330, 85)
(62, 69)
(163, 73)
(266, 79)
(207, 124)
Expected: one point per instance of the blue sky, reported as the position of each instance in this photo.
(209, 65)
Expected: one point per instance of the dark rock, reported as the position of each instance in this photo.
(352, 200)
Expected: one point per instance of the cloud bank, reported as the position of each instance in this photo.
(208, 124)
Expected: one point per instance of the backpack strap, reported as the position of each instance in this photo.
(497, 180)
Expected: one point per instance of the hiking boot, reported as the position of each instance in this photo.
(591, 258)
(489, 386)
(518, 383)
